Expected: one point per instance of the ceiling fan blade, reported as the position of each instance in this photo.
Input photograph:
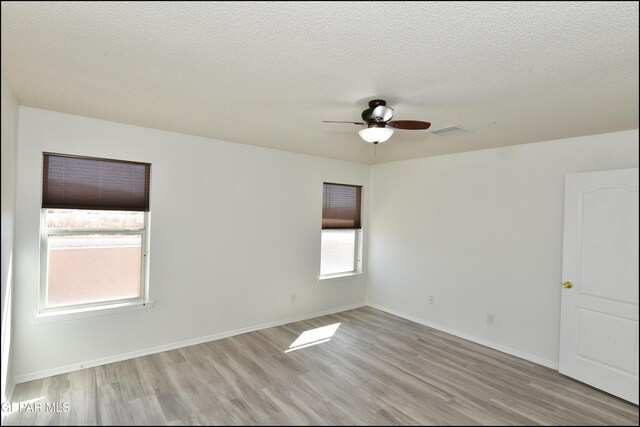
(337, 121)
(382, 113)
(409, 124)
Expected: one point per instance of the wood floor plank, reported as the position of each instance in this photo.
(147, 411)
(153, 374)
(84, 395)
(114, 408)
(377, 369)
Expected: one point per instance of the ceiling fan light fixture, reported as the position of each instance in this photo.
(375, 135)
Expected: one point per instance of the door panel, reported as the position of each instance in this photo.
(610, 243)
(596, 328)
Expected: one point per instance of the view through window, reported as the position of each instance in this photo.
(338, 251)
(93, 256)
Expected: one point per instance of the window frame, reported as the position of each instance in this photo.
(356, 228)
(45, 232)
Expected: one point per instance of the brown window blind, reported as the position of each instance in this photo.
(341, 206)
(74, 182)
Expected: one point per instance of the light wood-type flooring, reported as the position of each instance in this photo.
(377, 369)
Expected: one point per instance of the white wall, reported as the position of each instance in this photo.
(9, 125)
(235, 230)
(482, 232)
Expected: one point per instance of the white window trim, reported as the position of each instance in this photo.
(357, 268)
(78, 313)
(340, 277)
(102, 307)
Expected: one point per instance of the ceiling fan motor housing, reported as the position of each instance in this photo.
(375, 124)
(377, 114)
(376, 102)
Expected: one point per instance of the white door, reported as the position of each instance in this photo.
(599, 309)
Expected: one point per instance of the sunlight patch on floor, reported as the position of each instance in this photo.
(314, 337)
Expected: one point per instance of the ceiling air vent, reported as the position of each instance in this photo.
(449, 131)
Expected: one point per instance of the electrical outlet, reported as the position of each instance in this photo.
(490, 318)
(432, 299)
(293, 297)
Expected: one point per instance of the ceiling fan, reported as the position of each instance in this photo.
(379, 124)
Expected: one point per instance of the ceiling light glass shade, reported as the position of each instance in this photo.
(375, 134)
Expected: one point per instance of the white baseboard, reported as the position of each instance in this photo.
(180, 344)
(171, 346)
(513, 352)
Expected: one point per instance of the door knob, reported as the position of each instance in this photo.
(567, 285)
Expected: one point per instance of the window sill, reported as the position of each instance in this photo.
(339, 277)
(78, 313)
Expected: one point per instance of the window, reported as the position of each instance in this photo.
(341, 230)
(94, 232)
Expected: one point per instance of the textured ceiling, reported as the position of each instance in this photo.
(269, 73)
